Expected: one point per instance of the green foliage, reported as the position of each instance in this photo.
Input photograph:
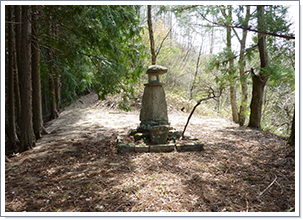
(98, 46)
(108, 51)
(275, 19)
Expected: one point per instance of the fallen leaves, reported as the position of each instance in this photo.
(87, 175)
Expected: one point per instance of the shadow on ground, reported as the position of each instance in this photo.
(76, 168)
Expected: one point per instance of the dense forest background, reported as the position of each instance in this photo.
(55, 54)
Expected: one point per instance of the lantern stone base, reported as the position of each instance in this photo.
(124, 146)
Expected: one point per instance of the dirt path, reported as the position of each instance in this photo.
(76, 168)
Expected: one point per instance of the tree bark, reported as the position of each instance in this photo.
(232, 88)
(259, 81)
(211, 41)
(57, 90)
(291, 139)
(27, 135)
(54, 113)
(211, 95)
(241, 62)
(10, 96)
(36, 82)
(151, 35)
(193, 85)
(18, 63)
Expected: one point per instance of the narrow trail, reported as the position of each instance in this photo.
(88, 117)
(76, 168)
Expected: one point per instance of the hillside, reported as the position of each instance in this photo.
(76, 168)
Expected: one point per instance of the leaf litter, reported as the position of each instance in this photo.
(76, 168)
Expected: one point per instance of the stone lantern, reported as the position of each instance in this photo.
(154, 128)
(153, 115)
(153, 73)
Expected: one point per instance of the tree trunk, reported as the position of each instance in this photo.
(27, 135)
(36, 82)
(291, 139)
(151, 35)
(241, 62)
(54, 113)
(259, 81)
(232, 88)
(10, 96)
(17, 95)
(211, 40)
(233, 103)
(18, 63)
(193, 85)
(170, 26)
(57, 90)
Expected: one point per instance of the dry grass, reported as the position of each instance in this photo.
(76, 168)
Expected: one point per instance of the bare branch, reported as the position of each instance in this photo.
(195, 76)
(236, 34)
(268, 186)
(164, 40)
(211, 95)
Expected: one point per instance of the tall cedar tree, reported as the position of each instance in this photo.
(36, 82)
(241, 62)
(52, 88)
(232, 88)
(27, 134)
(259, 81)
(10, 97)
(18, 63)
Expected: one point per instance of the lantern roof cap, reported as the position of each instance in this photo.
(156, 69)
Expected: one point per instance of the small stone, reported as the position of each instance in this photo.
(141, 148)
(174, 133)
(138, 136)
(159, 134)
(99, 207)
(162, 148)
(188, 136)
(119, 139)
(197, 146)
(126, 148)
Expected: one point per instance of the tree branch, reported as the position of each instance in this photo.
(164, 40)
(185, 8)
(269, 185)
(197, 67)
(225, 61)
(250, 29)
(236, 34)
(211, 95)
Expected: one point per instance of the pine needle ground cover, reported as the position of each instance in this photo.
(76, 168)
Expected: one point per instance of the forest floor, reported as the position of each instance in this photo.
(76, 168)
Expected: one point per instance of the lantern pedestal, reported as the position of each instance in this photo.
(154, 106)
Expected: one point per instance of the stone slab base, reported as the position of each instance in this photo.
(126, 148)
(196, 146)
(157, 148)
(162, 148)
